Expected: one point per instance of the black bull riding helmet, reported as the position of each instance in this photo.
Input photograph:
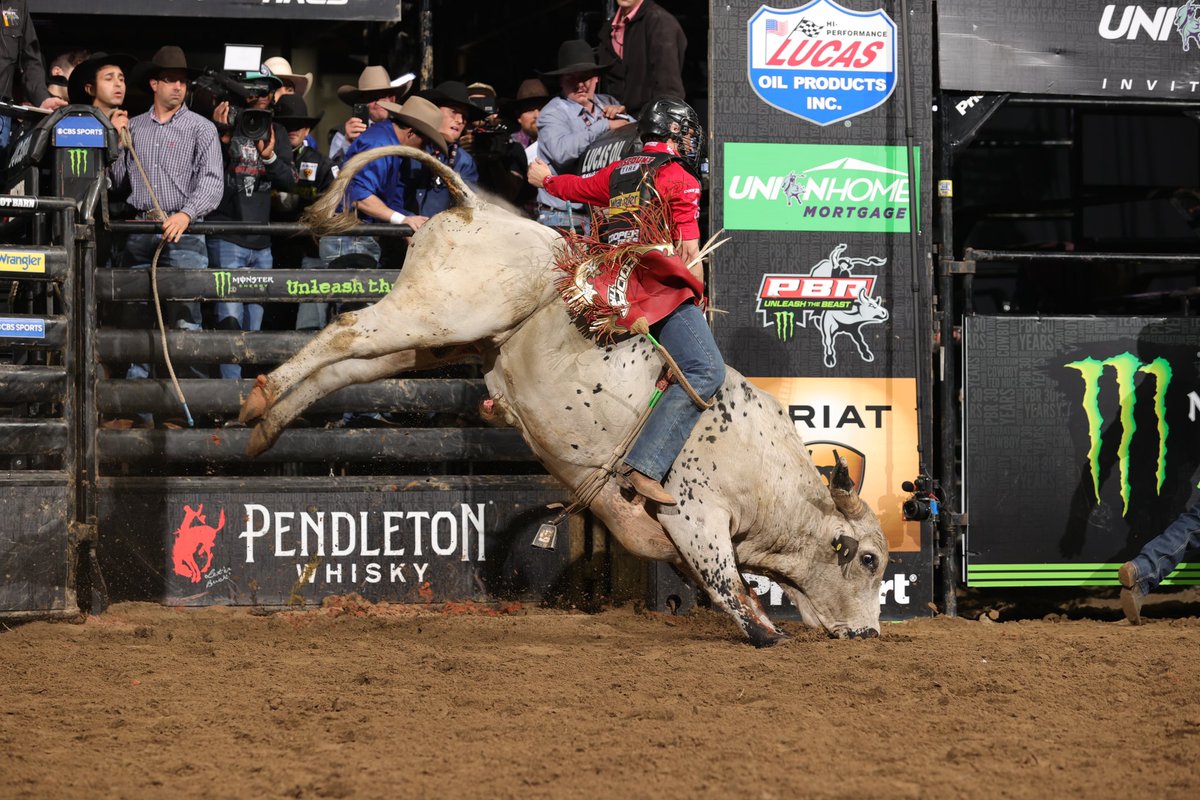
(668, 119)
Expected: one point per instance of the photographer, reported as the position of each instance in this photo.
(258, 158)
(500, 161)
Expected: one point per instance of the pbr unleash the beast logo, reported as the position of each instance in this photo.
(821, 62)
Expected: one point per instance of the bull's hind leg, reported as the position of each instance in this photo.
(328, 380)
(701, 533)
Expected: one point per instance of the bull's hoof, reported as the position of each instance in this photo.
(492, 414)
(762, 637)
(260, 440)
(258, 401)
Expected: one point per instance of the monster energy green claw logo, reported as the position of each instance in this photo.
(223, 281)
(79, 161)
(785, 325)
(1126, 366)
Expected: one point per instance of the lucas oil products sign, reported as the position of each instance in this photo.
(822, 62)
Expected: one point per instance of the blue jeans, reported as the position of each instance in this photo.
(687, 337)
(312, 316)
(1164, 552)
(237, 316)
(188, 253)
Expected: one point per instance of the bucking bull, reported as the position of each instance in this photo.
(478, 279)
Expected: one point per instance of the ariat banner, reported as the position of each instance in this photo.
(1071, 47)
(382, 10)
(1081, 443)
(872, 423)
(813, 187)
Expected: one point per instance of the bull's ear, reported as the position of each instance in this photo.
(846, 548)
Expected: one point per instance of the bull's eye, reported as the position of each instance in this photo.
(870, 561)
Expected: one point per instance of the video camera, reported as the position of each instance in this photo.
(924, 500)
(490, 136)
(242, 79)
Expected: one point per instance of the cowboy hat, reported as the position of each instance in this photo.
(455, 95)
(85, 73)
(282, 68)
(373, 83)
(576, 55)
(292, 112)
(532, 93)
(168, 57)
(421, 115)
(484, 96)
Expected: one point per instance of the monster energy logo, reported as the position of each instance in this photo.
(223, 281)
(1126, 366)
(785, 325)
(79, 161)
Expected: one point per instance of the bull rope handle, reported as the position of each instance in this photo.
(160, 215)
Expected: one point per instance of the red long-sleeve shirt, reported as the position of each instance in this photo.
(678, 187)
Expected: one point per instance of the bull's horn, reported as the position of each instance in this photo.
(323, 218)
(841, 489)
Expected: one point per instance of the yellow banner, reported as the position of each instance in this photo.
(872, 423)
(22, 261)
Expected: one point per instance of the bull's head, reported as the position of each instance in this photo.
(835, 584)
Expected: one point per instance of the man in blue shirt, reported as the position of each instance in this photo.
(572, 121)
(427, 192)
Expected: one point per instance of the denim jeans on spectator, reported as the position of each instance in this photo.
(686, 336)
(1163, 553)
(223, 254)
(312, 316)
(188, 253)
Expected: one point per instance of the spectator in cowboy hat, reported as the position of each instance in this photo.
(373, 85)
(567, 124)
(523, 110)
(100, 82)
(314, 174)
(292, 83)
(430, 195)
(186, 175)
(59, 74)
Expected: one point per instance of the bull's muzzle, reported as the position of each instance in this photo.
(861, 633)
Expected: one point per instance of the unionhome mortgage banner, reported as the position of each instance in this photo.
(1071, 47)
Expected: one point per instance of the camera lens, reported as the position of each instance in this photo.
(254, 123)
(915, 510)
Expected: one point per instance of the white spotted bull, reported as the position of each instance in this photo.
(480, 279)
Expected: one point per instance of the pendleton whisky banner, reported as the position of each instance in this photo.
(1082, 443)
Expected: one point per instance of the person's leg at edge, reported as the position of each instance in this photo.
(686, 336)
(224, 255)
(1157, 559)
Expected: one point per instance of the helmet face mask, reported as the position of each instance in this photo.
(670, 120)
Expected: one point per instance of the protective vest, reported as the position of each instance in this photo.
(630, 191)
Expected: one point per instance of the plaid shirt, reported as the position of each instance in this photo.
(182, 158)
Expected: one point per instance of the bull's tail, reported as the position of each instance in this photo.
(323, 217)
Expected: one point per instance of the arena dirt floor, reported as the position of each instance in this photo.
(469, 701)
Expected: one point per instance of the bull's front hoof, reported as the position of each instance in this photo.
(492, 414)
(257, 402)
(261, 440)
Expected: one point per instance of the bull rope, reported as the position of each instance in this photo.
(160, 216)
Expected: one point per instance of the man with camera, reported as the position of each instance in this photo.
(180, 154)
(258, 158)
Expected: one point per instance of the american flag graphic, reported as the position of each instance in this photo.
(776, 27)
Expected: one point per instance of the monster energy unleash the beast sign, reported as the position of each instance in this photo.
(1082, 443)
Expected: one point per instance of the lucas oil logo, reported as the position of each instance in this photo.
(832, 298)
(821, 62)
(1124, 370)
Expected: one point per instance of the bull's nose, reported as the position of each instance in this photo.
(864, 633)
